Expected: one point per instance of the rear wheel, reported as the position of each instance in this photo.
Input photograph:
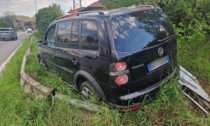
(88, 90)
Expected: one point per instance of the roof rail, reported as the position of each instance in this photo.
(79, 13)
(86, 12)
(128, 8)
(102, 13)
(145, 6)
(64, 16)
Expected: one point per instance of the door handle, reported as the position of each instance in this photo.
(74, 61)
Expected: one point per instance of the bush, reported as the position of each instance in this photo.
(45, 17)
(3, 24)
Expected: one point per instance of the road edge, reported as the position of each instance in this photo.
(3, 66)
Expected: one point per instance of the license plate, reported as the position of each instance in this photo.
(158, 63)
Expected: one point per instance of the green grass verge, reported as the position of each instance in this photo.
(195, 57)
(18, 108)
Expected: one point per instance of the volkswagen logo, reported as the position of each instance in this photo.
(160, 51)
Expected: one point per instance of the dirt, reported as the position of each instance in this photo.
(192, 106)
(205, 85)
(195, 109)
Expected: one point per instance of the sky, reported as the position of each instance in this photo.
(27, 7)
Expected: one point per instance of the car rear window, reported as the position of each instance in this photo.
(6, 30)
(136, 30)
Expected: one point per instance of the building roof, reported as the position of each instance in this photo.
(77, 10)
(96, 4)
(90, 7)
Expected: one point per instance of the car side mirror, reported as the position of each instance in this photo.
(39, 43)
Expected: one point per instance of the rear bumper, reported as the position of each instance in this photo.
(6, 37)
(140, 95)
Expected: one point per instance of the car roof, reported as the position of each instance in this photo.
(108, 13)
(99, 14)
(6, 28)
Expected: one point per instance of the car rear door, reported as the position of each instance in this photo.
(67, 49)
(93, 50)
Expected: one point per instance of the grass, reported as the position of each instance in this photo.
(18, 108)
(195, 57)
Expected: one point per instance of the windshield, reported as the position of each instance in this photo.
(139, 30)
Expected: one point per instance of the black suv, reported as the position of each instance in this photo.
(122, 54)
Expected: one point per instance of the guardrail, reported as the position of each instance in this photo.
(29, 85)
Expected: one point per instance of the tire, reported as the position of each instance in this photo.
(87, 90)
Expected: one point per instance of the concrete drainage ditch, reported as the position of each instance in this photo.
(30, 85)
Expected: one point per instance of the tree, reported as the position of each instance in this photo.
(46, 16)
(3, 24)
(9, 17)
(56, 6)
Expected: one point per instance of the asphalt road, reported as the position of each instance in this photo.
(8, 47)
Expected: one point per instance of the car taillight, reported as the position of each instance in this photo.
(119, 73)
(120, 66)
(121, 79)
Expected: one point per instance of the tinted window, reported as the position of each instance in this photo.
(75, 32)
(64, 32)
(89, 37)
(6, 30)
(139, 30)
(51, 36)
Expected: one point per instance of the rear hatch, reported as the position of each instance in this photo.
(5, 32)
(145, 40)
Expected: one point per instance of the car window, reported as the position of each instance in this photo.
(75, 34)
(6, 30)
(64, 33)
(89, 37)
(51, 36)
(138, 30)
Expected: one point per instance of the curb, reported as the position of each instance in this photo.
(29, 85)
